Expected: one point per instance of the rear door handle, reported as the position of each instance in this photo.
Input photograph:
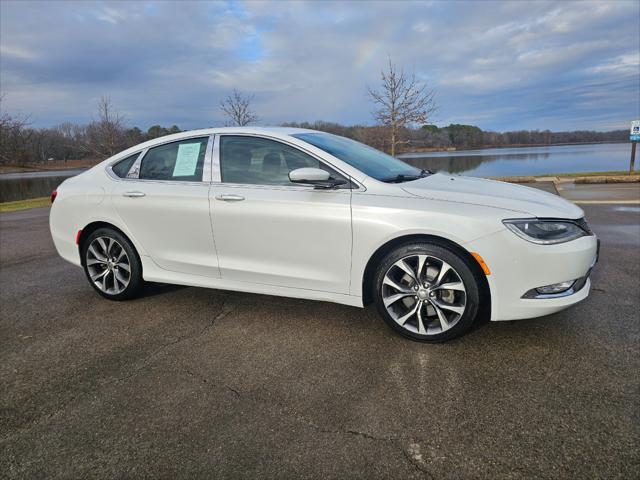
(133, 194)
(230, 197)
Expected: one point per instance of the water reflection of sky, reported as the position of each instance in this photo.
(527, 160)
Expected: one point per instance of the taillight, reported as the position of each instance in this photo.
(54, 194)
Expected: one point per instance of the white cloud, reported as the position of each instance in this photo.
(490, 62)
(111, 15)
(17, 52)
(627, 64)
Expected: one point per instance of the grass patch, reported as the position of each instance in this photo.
(589, 174)
(25, 204)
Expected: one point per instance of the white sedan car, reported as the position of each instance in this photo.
(306, 214)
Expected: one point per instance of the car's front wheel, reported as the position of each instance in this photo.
(426, 292)
(111, 264)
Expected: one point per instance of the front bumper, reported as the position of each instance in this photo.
(518, 266)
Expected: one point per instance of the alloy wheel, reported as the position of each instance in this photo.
(424, 294)
(108, 265)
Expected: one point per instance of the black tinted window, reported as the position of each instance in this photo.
(260, 161)
(183, 160)
(122, 167)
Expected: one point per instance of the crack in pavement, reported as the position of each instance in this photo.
(205, 380)
(233, 390)
(157, 352)
(410, 454)
(52, 414)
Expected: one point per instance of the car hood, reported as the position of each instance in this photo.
(492, 193)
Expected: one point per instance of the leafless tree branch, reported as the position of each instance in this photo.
(401, 101)
(237, 107)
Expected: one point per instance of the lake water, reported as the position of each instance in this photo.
(495, 162)
(21, 186)
(506, 162)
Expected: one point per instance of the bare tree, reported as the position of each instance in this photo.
(105, 137)
(111, 125)
(402, 101)
(13, 132)
(237, 107)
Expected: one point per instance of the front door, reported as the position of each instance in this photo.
(270, 231)
(166, 207)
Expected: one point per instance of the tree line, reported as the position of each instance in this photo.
(98, 139)
(403, 109)
(456, 136)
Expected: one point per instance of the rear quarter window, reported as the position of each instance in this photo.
(123, 166)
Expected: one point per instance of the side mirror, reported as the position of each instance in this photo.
(314, 176)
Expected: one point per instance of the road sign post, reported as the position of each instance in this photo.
(634, 137)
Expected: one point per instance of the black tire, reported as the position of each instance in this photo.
(463, 269)
(135, 282)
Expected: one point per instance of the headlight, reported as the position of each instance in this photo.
(546, 232)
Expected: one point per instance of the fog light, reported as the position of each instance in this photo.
(555, 288)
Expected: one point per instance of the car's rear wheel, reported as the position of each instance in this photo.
(111, 264)
(427, 292)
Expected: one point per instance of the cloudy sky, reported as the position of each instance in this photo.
(498, 65)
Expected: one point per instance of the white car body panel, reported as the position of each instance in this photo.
(179, 239)
(300, 242)
(518, 266)
(491, 193)
(284, 236)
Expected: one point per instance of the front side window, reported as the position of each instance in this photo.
(260, 161)
(176, 161)
(123, 166)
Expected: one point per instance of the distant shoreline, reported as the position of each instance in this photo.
(494, 147)
(62, 166)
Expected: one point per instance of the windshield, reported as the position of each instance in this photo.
(368, 160)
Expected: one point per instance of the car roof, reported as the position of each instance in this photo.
(277, 131)
(269, 131)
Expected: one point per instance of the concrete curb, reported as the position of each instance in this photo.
(579, 180)
(609, 179)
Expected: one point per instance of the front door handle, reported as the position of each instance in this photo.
(230, 197)
(133, 194)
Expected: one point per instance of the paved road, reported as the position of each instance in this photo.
(594, 193)
(607, 192)
(188, 382)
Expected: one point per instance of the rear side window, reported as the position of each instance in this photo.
(123, 166)
(177, 161)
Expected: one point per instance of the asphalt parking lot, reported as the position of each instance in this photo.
(189, 382)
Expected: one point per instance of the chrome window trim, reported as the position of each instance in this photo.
(295, 188)
(216, 173)
(217, 177)
(206, 168)
(134, 171)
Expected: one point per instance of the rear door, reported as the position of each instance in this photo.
(270, 231)
(164, 201)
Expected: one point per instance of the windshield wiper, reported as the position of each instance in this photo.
(407, 178)
(401, 178)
